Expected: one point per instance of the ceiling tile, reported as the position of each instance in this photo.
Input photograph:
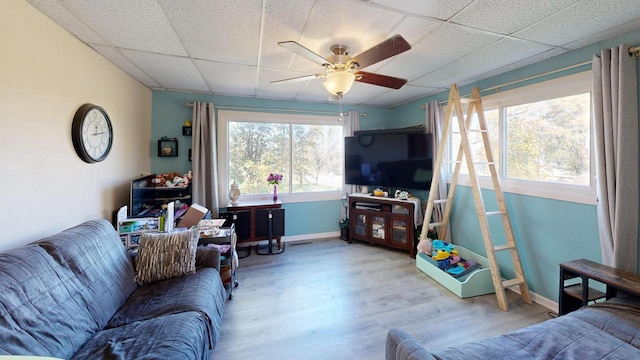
(228, 79)
(283, 21)
(218, 30)
(59, 14)
(512, 15)
(627, 28)
(582, 20)
(444, 45)
(116, 57)
(230, 47)
(481, 62)
(140, 24)
(433, 8)
(171, 72)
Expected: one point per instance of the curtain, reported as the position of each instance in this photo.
(204, 186)
(434, 120)
(351, 124)
(615, 124)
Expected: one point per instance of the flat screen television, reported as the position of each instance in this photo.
(392, 160)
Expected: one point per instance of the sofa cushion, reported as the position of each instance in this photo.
(163, 256)
(175, 336)
(94, 253)
(41, 312)
(201, 292)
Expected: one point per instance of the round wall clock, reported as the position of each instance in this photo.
(92, 133)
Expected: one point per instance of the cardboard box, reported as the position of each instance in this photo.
(191, 218)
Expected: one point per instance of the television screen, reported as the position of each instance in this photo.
(142, 196)
(393, 160)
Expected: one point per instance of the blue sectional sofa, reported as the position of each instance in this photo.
(74, 296)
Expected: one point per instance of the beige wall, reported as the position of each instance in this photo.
(45, 75)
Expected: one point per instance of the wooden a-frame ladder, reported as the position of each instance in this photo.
(475, 108)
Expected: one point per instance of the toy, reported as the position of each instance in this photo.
(424, 246)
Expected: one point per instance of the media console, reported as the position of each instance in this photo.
(384, 221)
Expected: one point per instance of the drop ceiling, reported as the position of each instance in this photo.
(230, 47)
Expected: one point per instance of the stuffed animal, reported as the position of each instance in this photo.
(424, 246)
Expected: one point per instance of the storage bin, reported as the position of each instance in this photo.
(478, 282)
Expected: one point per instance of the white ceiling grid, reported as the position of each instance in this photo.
(230, 47)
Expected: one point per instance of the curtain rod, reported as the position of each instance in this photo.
(633, 51)
(192, 104)
(497, 87)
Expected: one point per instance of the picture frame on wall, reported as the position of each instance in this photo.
(167, 147)
(186, 130)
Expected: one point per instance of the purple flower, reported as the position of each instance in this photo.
(274, 178)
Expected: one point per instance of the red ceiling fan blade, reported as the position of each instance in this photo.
(299, 78)
(380, 80)
(304, 52)
(384, 50)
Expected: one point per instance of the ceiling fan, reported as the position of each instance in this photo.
(341, 70)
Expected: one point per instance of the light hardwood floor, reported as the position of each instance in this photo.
(332, 300)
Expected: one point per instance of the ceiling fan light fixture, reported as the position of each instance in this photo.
(339, 82)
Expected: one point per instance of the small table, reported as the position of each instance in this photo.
(574, 296)
(224, 236)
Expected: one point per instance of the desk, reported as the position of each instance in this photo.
(574, 296)
(243, 215)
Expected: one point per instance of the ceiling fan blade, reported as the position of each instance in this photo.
(304, 52)
(299, 78)
(384, 50)
(380, 80)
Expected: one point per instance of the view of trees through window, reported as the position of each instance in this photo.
(546, 140)
(309, 156)
(475, 139)
(549, 140)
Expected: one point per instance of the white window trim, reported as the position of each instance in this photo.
(558, 87)
(227, 116)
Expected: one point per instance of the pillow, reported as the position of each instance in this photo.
(163, 256)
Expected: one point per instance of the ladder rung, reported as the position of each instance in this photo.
(512, 282)
(456, 132)
(491, 213)
(436, 224)
(440, 201)
(452, 161)
(484, 163)
(503, 247)
(468, 100)
(478, 130)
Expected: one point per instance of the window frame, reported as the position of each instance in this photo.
(574, 84)
(226, 116)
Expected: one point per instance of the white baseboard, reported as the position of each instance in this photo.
(538, 299)
(299, 239)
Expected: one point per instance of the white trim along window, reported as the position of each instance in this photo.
(541, 140)
(306, 149)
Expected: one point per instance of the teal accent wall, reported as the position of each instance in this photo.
(548, 232)
(169, 114)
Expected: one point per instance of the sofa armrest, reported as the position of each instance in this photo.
(400, 346)
(207, 257)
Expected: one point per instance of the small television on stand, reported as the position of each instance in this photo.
(401, 158)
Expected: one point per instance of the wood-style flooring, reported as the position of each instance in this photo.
(332, 300)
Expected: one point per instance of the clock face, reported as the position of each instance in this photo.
(92, 133)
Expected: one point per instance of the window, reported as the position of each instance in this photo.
(541, 140)
(307, 150)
